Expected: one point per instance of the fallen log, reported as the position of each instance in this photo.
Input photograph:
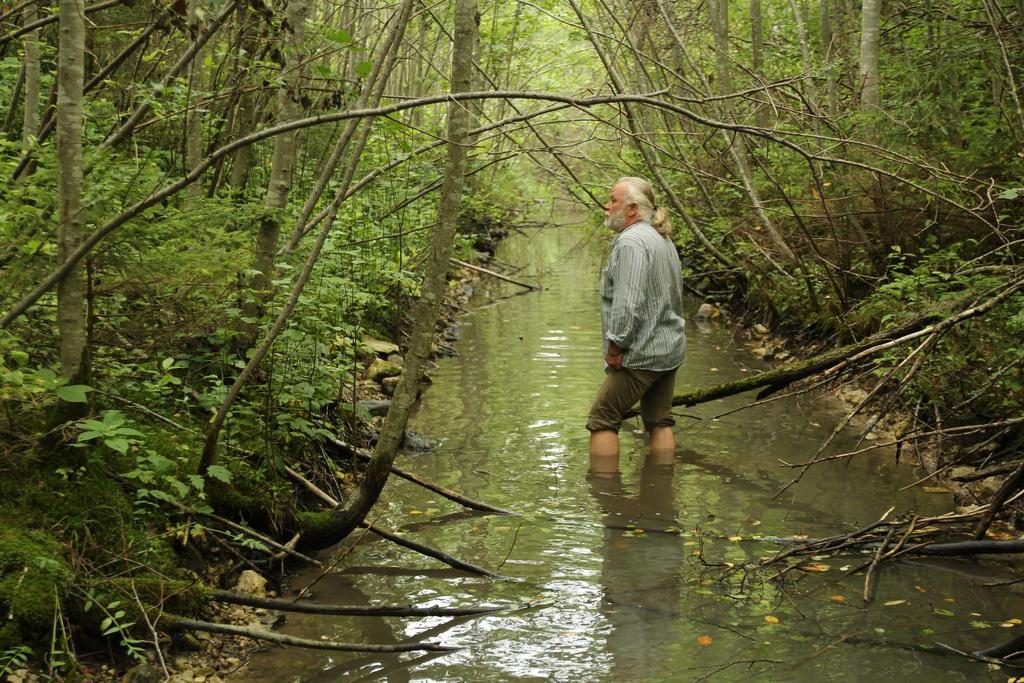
(966, 548)
(1008, 650)
(779, 378)
(183, 624)
(350, 610)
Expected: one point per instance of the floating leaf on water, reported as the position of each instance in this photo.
(893, 603)
(838, 598)
(951, 600)
(980, 624)
(845, 568)
(920, 589)
(943, 612)
(816, 567)
(734, 539)
(704, 640)
(1013, 621)
(771, 619)
(1007, 624)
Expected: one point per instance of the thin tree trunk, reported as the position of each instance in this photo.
(12, 110)
(276, 198)
(805, 56)
(719, 16)
(71, 312)
(31, 116)
(1011, 81)
(870, 21)
(194, 115)
(829, 54)
(757, 54)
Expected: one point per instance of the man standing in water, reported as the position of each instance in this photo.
(641, 322)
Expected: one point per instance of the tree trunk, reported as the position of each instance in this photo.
(276, 198)
(808, 65)
(870, 20)
(756, 39)
(719, 19)
(194, 115)
(427, 307)
(30, 127)
(71, 313)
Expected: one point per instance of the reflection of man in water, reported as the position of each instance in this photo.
(639, 570)
(641, 321)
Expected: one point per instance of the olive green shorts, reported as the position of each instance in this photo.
(623, 388)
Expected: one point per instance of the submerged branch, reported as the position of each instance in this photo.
(350, 610)
(182, 624)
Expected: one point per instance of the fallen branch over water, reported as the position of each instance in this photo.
(498, 276)
(432, 552)
(395, 538)
(350, 610)
(779, 378)
(448, 493)
(182, 624)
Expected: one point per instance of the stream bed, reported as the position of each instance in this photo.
(627, 571)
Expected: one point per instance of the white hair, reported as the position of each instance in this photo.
(640, 194)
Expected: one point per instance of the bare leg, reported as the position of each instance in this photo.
(663, 445)
(604, 444)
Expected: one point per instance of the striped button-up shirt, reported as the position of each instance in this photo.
(642, 300)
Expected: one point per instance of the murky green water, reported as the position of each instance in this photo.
(621, 604)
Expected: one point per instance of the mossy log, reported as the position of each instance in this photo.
(779, 378)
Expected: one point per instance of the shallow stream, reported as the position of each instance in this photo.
(628, 569)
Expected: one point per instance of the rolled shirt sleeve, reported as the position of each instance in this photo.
(628, 272)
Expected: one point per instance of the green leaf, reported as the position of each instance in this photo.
(220, 473)
(338, 36)
(19, 357)
(46, 374)
(1012, 193)
(74, 393)
(363, 69)
(118, 444)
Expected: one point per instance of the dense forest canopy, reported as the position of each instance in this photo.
(207, 206)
